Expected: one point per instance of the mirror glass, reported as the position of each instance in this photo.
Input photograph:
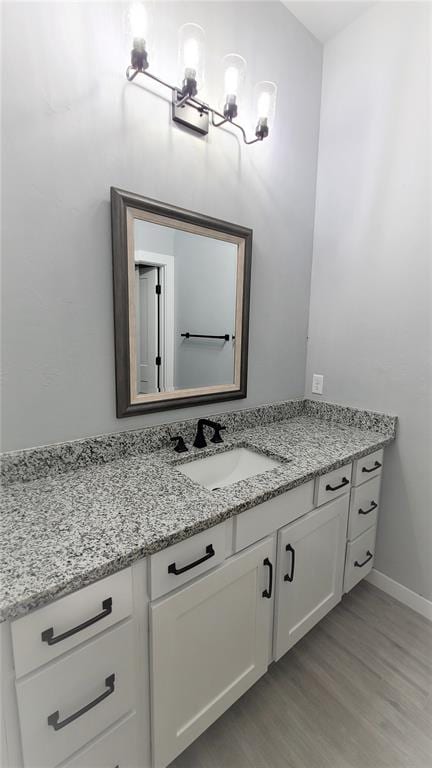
(185, 309)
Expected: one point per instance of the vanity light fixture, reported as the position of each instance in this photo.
(187, 108)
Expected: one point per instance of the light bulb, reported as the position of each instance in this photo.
(231, 81)
(263, 105)
(191, 54)
(138, 21)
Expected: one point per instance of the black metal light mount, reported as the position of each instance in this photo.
(262, 129)
(139, 58)
(230, 108)
(189, 85)
(192, 112)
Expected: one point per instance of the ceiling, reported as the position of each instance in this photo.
(325, 19)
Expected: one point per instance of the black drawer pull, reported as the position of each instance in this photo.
(48, 634)
(345, 481)
(58, 724)
(268, 592)
(290, 576)
(377, 465)
(360, 565)
(177, 571)
(371, 509)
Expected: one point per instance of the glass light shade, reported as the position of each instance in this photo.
(265, 94)
(191, 53)
(234, 74)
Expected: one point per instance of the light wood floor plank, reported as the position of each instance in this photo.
(356, 692)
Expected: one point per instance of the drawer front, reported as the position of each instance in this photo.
(48, 632)
(363, 507)
(359, 558)
(73, 700)
(115, 749)
(368, 467)
(333, 484)
(264, 519)
(182, 562)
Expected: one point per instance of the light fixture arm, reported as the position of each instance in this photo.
(192, 101)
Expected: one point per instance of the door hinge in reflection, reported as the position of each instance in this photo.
(159, 289)
(158, 360)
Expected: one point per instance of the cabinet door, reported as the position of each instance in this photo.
(210, 642)
(310, 566)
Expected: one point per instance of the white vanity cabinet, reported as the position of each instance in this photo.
(83, 674)
(310, 568)
(210, 641)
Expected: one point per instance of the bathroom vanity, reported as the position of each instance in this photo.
(141, 622)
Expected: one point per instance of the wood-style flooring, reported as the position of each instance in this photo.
(354, 693)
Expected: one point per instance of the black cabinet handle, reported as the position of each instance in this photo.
(290, 576)
(345, 481)
(58, 724)
(377, 465)
(371, 509)
(268, 592)
(47, 635)
(360, 565)
(176, 571)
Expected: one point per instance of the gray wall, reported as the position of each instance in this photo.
(153, 238)
(205, 286)
(370, 317)
(72, 127)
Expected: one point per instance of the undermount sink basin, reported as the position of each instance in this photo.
(229, 467)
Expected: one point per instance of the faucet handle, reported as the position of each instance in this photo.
(180, 447)
(217, 430)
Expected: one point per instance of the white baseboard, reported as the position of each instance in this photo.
(399, 592)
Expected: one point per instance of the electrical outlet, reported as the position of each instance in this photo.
(317, 384)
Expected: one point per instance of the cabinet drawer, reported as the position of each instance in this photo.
(81, 695)
(359, 558)
(367, 467)
(264, 519)
(333, 484)
(48, 632)
(363, 507)
(116, 748)
(180, 563)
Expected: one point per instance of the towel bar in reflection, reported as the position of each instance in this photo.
(187, 335)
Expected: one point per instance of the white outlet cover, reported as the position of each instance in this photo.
(317, 383)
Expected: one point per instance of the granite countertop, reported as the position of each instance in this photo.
(63, 532)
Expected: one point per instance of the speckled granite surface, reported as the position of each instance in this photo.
(63, 532)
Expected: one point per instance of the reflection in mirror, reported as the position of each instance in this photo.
(185, 309)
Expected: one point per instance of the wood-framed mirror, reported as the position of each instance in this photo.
(181, 305)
